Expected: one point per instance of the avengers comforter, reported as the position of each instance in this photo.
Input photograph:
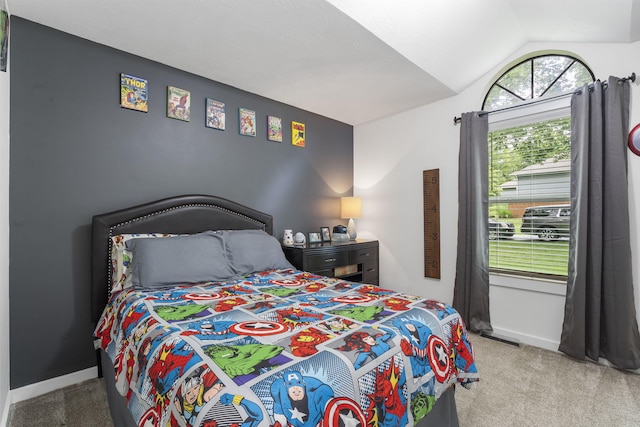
(282, 348)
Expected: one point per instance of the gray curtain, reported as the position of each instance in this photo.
(600, 316)
(471, 291)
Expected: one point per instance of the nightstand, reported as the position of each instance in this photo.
(354, 260)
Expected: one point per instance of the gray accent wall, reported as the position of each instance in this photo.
(75, 153)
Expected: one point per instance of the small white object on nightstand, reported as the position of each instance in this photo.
(287, 239)
(299, 238)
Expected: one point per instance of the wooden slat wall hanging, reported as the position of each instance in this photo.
(431, 190)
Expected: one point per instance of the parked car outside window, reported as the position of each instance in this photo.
(500, 229)
(548, 222)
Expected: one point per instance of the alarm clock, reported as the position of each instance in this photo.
(340, 234)
(340, 229)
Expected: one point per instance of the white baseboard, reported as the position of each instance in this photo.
(548, 345)
(34, 390)
(4, 421)
(528, 339)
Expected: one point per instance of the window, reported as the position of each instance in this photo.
(530, 166)
(529, 173)
(537, 77)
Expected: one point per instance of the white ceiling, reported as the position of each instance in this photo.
(351, 60)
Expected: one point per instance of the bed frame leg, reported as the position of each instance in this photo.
(99, 362)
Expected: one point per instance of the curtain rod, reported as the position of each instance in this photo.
(457, 120)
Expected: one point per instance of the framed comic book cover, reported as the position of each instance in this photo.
(4, 39)
(178, 103)
(134, 93)
(298, 135)
(215, 114)
(247, 122)
(274, 128)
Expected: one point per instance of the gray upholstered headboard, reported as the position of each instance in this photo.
(181, 214)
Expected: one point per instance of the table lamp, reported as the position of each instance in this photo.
(351, 208)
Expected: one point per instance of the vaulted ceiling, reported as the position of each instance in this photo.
(351, 60)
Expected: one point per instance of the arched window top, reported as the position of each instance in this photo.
(535, 77)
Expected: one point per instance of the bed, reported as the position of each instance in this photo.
(201, 321)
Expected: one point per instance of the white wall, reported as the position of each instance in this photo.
(390, 155)
(4, 246)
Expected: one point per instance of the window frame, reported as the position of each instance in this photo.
(529, 110)
(531, 60)
(532, 112)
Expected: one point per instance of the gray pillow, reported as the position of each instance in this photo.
(181, 259)
(250, 251)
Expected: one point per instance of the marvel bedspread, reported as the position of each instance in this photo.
(283, 348)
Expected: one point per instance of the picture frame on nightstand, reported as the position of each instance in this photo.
(326, 235)
(315, 237)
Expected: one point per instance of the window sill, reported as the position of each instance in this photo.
(545, 286)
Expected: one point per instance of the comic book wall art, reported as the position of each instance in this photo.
(178, 103)
(274, 128)
(247, 120)
(134, 93)
(4, 38)
(298, 134)
(215, 114)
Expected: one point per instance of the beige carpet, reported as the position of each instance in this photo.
(520, 386)
(529, 386)
(80, 405)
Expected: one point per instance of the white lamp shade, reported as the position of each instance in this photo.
(351, 207)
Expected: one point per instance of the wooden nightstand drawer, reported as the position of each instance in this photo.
(370, 273)
(356, 261)
(369, 254)
(326, 260)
